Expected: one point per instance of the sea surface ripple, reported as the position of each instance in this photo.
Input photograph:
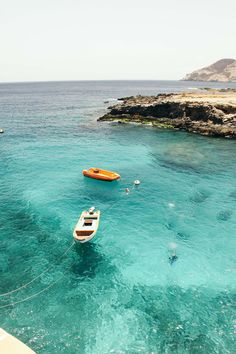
(119, 294)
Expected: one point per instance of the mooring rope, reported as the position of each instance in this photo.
(117, 202)
(32, 296)
(24, 286)
(132, 187)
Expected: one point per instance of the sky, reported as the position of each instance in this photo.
(44, 40)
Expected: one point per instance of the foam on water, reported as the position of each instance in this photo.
(119, 294)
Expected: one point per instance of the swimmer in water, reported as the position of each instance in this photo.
(172, 253)
(127, 190)
(172, 259)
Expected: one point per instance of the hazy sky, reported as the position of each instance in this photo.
(107, 39)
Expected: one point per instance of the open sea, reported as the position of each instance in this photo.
(118, 294)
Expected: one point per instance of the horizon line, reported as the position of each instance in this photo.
(113, 80)
(84, 80)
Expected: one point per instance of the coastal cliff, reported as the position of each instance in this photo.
(206, 112)
(223, 70)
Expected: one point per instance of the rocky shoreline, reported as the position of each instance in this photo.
(206, 112)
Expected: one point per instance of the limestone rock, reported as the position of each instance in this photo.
(205, 112)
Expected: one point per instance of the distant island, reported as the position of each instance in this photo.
(223, 70)
(207, 112)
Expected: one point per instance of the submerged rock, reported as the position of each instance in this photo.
(211, 113)
(224, 215)
(183, 156)
(199, 197)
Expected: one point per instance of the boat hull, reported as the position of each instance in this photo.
(87, 239)
(86, 227)
(102, 175)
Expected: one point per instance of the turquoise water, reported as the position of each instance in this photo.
(118, 294)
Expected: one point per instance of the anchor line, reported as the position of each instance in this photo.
(24, 286)
(34, 295)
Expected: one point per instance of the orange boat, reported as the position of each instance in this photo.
(103, 175)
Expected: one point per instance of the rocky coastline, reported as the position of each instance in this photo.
(206, 112)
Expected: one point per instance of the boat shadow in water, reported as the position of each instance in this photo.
(89, 260)
(100, 190)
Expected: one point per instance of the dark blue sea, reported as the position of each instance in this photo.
(120, 293)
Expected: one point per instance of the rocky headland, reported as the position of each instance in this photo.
(207, 112)
(223, 70)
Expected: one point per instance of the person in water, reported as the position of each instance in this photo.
(172, 259)
(172, 253)
(127, 190)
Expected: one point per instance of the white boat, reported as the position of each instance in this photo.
(87, 225)
(12, 345)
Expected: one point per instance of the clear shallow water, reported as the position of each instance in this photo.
(118, 294)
